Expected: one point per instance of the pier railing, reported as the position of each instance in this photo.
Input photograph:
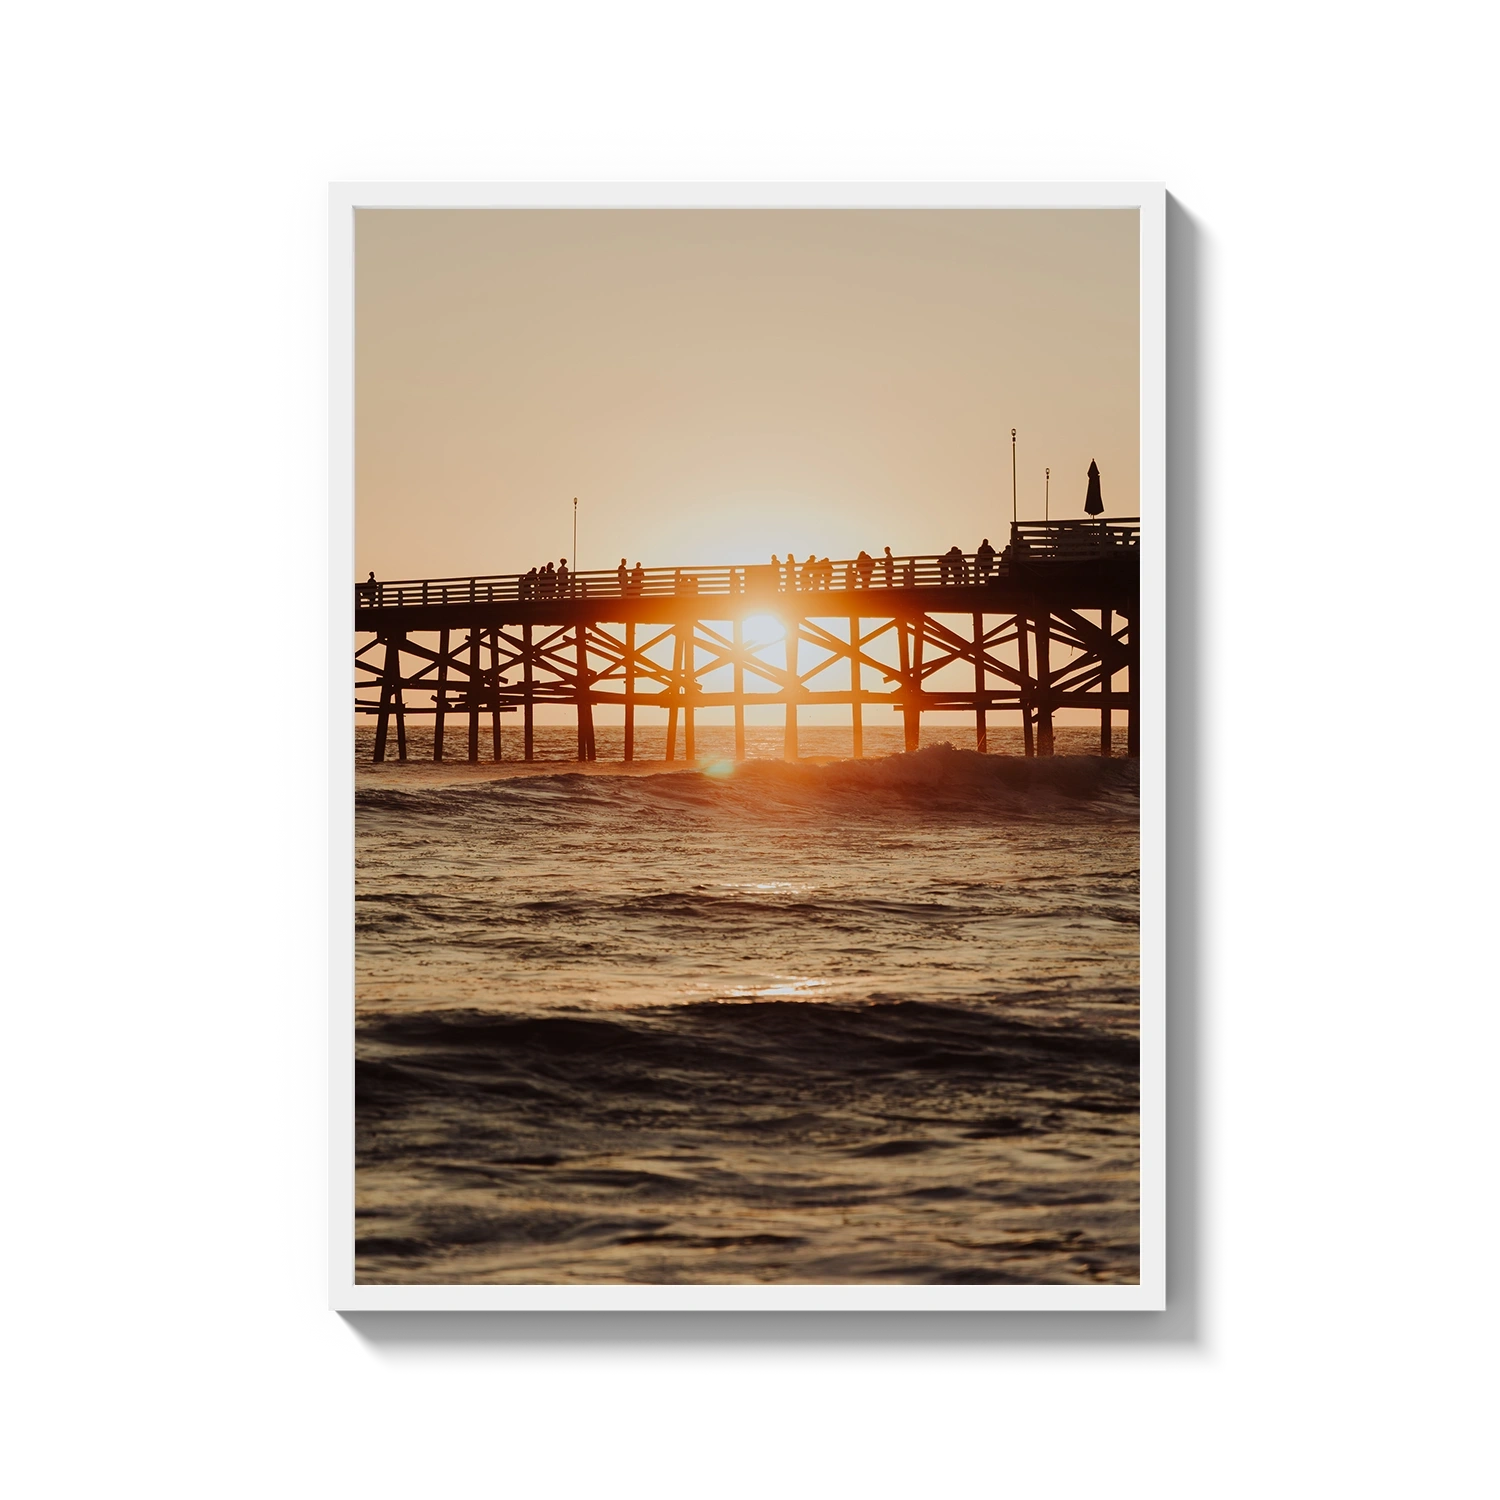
(1032, 543)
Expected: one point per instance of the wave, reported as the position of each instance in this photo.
(936, 779)
(684, 1050)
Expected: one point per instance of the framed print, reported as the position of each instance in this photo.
(747, 794)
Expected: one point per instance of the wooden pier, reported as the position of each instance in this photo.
(1050, 624)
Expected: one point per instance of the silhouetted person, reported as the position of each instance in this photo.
(890, 569)
(369, 588)
(865, 565)
(563, 579)
(623, 574)
(528, 585)
(984, 560)
(637, 579)
(776, 569)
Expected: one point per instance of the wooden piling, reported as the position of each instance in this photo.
(1106, 662)
(856, 706)
(398, 688)
(495, 690)
(528, 708)
(1133, 722)
(442, 695)
(474, 694)
(981, 727)
(689, 694)
(1044, 681)
(581, 701)
(911, 715)
(1023, 658)
(630, 690)
(383, 719)
(739, 688)
(676, 695)
(789, 747)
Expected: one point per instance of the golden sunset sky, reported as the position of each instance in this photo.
(716, 386)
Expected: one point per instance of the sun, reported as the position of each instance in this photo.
(763, 630)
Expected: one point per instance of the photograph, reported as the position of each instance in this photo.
(747, 731)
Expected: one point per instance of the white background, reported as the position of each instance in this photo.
(1333, 395)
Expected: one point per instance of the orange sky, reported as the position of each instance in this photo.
(716, 386)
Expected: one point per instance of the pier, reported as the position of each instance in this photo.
(1049, 624)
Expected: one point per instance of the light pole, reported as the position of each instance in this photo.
(1013, 477)
(1047, 503)
(575, 533)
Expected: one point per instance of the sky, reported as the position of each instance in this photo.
(716, 386)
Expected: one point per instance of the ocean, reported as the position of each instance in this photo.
(833, 1021)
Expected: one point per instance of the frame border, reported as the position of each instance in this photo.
(1191, 1334)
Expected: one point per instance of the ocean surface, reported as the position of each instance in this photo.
(840, 1021)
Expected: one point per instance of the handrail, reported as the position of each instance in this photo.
(1031, 542)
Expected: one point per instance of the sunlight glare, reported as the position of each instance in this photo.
(763, 630)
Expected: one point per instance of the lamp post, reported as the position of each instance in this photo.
(1013, 477)
(1047, 503)
(575, 533)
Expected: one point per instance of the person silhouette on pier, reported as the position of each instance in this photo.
(984, 560)
(865, 566)
(637, 579)
(563, 579)
(369, 589)
(890, 569)
(623, 574)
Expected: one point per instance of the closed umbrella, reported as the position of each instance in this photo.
(1094, 504)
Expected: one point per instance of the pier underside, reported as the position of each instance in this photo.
(1023, 646)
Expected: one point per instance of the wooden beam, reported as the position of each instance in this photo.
(1133, 660)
